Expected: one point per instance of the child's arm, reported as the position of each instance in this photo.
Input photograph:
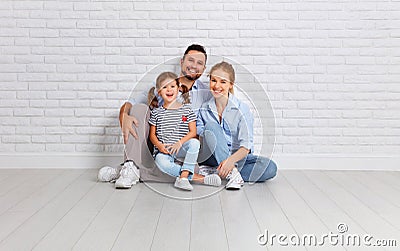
(174, 148)
(153, 138)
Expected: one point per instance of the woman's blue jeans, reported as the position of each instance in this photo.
(188, 153)
(215, 149)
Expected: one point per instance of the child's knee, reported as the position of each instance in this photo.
(193, 144)
(161, 160)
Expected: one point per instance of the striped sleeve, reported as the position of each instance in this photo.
(153, 117)
(191, 116)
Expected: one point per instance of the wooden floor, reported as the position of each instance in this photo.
(70, 210)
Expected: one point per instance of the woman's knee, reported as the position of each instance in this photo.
(270, 168)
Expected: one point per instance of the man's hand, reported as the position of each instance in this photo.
(225, 167)
(174, 148)
(127, 127)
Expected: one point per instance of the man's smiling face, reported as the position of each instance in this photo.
(193, 65)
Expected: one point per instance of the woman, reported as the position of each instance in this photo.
(225, 127)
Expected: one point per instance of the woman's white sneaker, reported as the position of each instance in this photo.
(212, 180)
(235, 180)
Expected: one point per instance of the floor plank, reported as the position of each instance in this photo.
(365, 217)
(176, 218)
(241, 227)
(378, 187)
(37, 226)
(207, 230)
(388, 178)
(25, 189)
(140, 226)
(330, 213)
(304, 220)
(22, 211)
(104, 229)
(70, 228)
(369, 197)
(269, 215)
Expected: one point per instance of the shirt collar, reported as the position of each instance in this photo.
(233, 103)
(197, 84)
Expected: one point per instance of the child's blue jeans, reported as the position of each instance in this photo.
(188, 154)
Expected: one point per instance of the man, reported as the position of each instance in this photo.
(134, 115)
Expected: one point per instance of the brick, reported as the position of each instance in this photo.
(60, 147)
(51, 112)
(91, 130)
(90, 24)
(45, 121)
(104, 15)
(59, 130)
(74, 15)
(43, 103)
(43, 33)
(29, 148)
(74, 139)
(29, 112)
(89, 148)
(46, 139)
(16, 139)
(75, 121)
(73, 68)
(63, 95)
(6, 112)
(29, 23)
(40, 68)
(92, 95)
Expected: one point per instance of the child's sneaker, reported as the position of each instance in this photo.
(108, 173)
(183, 183)
(129, 175)
(235, 180)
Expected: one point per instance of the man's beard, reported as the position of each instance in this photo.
(189, 77)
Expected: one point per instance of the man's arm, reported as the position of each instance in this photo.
(126, 121)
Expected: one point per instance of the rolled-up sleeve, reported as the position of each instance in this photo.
(245, 128)
(200, 123)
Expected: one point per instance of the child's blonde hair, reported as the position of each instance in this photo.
(226, 67)
(151, 97)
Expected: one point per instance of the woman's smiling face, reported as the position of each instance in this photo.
(220, 83)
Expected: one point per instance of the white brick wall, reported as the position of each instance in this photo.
(331, 68)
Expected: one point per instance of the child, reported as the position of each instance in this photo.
(173, 132)
(225, 126)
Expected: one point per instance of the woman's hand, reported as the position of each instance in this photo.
(225, 167)
(174, 148)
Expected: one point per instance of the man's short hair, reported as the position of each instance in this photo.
(196, 47)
